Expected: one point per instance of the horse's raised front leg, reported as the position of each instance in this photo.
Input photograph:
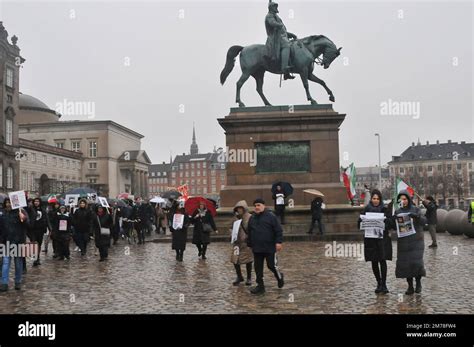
(313, 78)
(259, 79)
(304, 79)
(240, 83)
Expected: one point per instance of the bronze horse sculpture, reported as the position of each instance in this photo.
(305, 53)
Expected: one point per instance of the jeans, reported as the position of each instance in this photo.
(6, 269)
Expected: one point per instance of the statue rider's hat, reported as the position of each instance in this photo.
(272, 5)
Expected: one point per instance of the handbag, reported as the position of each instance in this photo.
(207, 228)
(103, 231)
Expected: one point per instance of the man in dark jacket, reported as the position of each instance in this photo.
(82, 222)
(14, 225)
(431, 216)
(316, 215)
(265, 237)
(38, 225)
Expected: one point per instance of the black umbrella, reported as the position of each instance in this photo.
(82, 191)
(286, 188)
(171, 195)
(118, 202)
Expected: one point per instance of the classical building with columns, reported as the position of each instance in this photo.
(112, 159)
(10, 62)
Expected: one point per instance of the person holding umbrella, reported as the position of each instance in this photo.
(82, 222)
(279, 197)
(203, 225)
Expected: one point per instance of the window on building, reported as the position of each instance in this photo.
(10, 177)
(24, 180)
(180, 174)
(9, 131)
(33, 182)
(459, 166)
(9, 98)
(186, 166)
(93, 180)
(93, 149)
(440, 167)
(204, 181)
(187, 174)
(45, 160)
(10, 77)
(449, 167)
(55, 161)
(92, 166)
(75, 146)
(402, 170)
(33, 157)
(204, 165)
(173, 174)
(61, 162)
(60, 144)
(198, 165)
(192, 165)
(181, 166)
(430, 168)
(470, 166)
(198, 173)
(192, 173)
(204, 190)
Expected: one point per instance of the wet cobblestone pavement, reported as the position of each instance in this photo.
(148, 279)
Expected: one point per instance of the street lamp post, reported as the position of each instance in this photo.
(380, 166)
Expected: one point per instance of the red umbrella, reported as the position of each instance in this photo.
(193, 203)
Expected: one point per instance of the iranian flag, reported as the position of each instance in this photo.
(401, 185)
(348, 177)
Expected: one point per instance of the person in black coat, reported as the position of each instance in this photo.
(62, 229)
(38, 225)
(13, 230)
(180, 235)
(410, 248)
(82, 222)
(52, 213)
(317, 214)
(432, 218)
(203, 225)
(280, 203)
(102, 227)
(265, 237)
(145, 213)
(378, 251)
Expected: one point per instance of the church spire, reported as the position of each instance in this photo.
(194, 147)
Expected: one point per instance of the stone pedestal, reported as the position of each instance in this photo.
(315, 131)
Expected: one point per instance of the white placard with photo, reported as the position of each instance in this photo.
(405, 225)
(71, 199)
(280, 199)
(18, 199)
(373, 225)
(235, 230)
(178, 221)
(103, 201)
(92, 197)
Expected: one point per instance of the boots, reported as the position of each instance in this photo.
(281, 281)
(17, 286)
(384, 289)
(410, 289)
(379, 287)
(3, 287)
(418, 285)
(258, 290)
(239, 278)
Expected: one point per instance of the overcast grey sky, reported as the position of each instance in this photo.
(400, 51)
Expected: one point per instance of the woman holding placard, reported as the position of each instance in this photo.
(62, 230)
(377, 241)
(411, 246)
(241, 253)
(179, 230)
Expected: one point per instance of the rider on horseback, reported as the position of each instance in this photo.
(278, 41)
